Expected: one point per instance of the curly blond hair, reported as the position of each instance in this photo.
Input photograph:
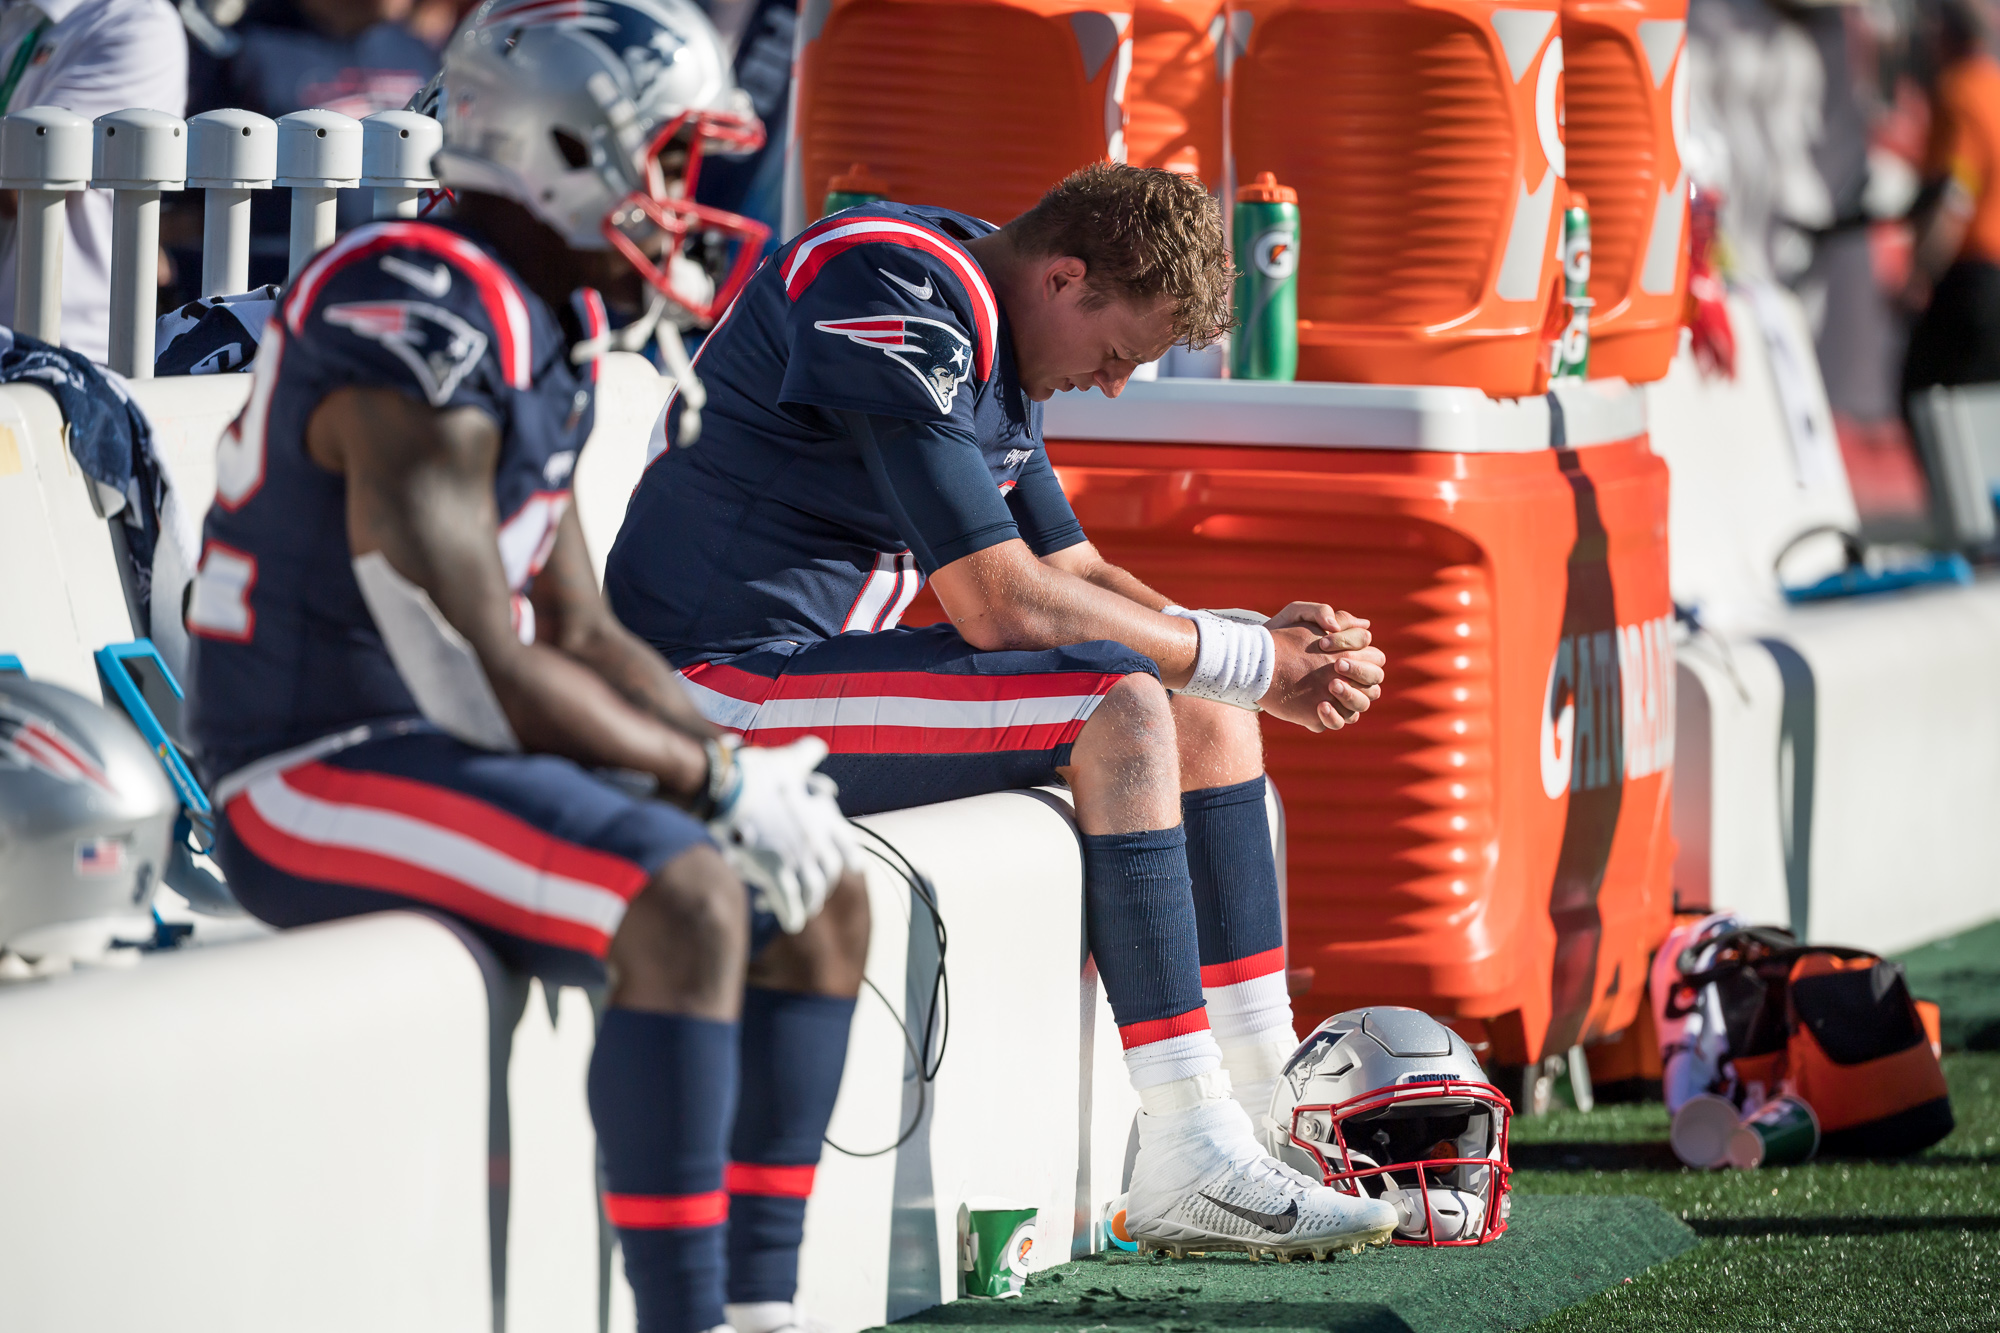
(1142, 234)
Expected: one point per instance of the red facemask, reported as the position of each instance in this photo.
(681, 218)
(1323, 1132)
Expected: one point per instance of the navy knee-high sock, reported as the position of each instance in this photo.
(1140, 918)
(1242, 931)
(1235, 881)
(662, 1087)
(793, 1050)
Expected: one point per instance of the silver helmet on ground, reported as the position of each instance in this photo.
(1390, 1103)
(85, 820)
(595, 116)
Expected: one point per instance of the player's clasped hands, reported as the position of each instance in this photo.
(783, 831)
(1329, 669)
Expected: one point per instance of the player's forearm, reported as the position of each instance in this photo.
(1052, 608)
(558, 705)
(641, 677)
(1084, 562)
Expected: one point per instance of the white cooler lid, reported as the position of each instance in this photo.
(1313, 415)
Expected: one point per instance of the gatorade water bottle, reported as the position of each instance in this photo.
(1572, 359)
(853, 188)
(1265, 345)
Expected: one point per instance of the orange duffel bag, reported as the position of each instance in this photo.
(1837, 1028)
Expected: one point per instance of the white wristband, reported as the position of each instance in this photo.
(1234, 662)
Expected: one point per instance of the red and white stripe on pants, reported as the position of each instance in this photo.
(900, 712)
(438, 847)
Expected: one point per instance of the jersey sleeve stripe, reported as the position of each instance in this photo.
(820, 244)
(514, 341)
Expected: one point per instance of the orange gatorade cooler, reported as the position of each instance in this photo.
(1425, 140)
(1626, 87)
(977, 105)
(1491, 842)
(1174, 101)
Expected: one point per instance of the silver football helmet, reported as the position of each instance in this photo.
(595, 116)
(85, 819)
(1390, 1103)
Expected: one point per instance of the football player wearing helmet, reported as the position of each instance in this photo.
(409, 693)
(873, 420)
(1389, 1103)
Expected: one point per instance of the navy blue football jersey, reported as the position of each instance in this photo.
(864, 427)
(283, 648)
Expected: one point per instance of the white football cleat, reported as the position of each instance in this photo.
(1202, 1183)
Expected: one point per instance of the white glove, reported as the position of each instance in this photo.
(782, 830)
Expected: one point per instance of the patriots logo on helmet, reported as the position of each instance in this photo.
(933, 351)
(29, 740)
(437, 346)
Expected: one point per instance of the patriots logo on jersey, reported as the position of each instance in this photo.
(933, 351)
(439, 347)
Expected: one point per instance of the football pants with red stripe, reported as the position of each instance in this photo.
(539, 858)
(915, 716)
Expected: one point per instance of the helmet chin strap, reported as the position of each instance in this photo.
(657, 323)
(680, 368)
(631, 338)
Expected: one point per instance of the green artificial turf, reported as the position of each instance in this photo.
(1834, 1244)
(1963, 975)
(1611, 1233)
(1557, 1251)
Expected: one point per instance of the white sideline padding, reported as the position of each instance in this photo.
(630, 393)
(1752, 464)
(1897, 697)
(292, 1132)
(60, 594)
(1905, 838)
(285, 1134)
(62, 599)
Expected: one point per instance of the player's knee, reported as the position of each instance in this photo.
(699, 904)
(848, 920)
(1139, 708)
(827, 957)
(1218, 733)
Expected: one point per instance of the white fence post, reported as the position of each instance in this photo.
(136, 154)
(396, 152)
(230, 153)
(319, 155)
(45, 154)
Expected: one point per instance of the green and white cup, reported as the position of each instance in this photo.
(1782, 1132)
(996, 1238)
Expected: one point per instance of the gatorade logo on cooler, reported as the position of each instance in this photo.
(1276, 253)
(1609, 712)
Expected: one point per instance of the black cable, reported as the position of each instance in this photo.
(937, 1017)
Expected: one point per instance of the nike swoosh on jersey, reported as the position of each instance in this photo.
(1280, 1224)
(433, 283)
(923, 293)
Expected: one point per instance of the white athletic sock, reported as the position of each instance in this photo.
(1152, 1063)
(1252, 1022)
(761, 1316)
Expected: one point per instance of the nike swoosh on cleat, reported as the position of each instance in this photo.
(923, 293)
(1277, 1223)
